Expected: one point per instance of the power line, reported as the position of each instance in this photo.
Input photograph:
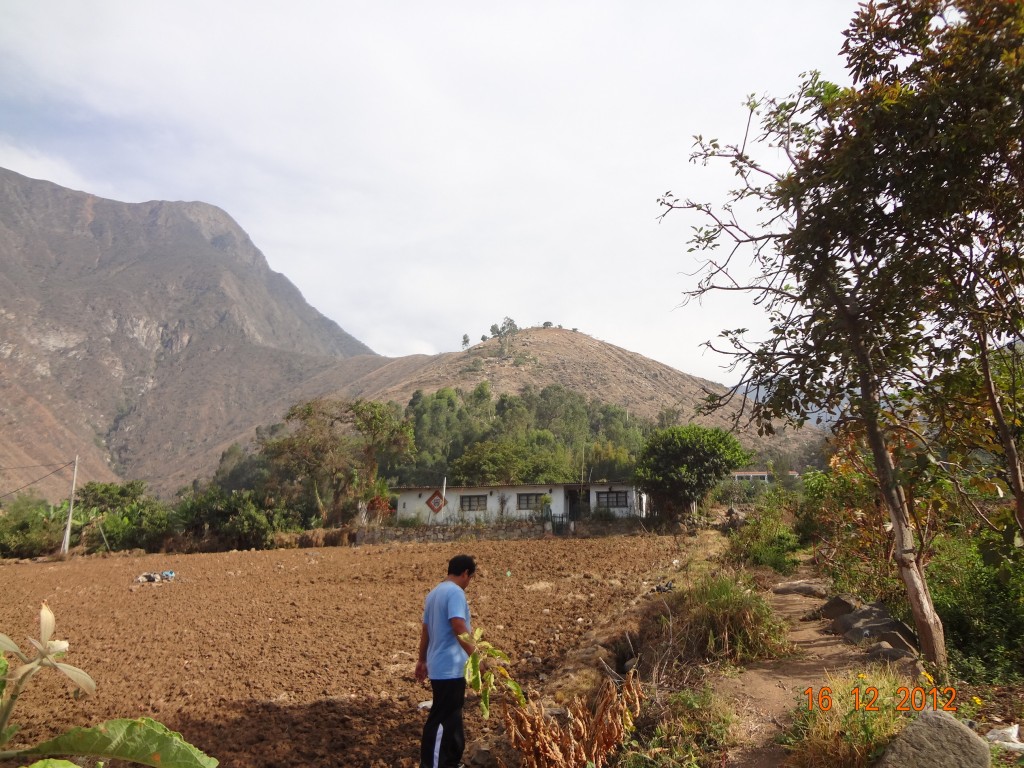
(34, 466)
(11, 493)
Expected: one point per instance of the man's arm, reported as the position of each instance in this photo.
(459, 628)
(421, 658)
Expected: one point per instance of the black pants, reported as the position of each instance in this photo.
(443, 737)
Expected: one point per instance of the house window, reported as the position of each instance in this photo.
(612, 499)
(472, 503)
(529, 501)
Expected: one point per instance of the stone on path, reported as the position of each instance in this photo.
(809, 587)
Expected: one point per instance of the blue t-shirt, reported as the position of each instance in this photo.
(446, 660)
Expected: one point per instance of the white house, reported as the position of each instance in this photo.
(491, 503)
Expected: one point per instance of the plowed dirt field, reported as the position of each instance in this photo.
(304, 657)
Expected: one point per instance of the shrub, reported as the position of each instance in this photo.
(766, 539)
(978, 593)
(30, 528)
(835, 725)
(249, 529)
(690, 728)
(722, 618)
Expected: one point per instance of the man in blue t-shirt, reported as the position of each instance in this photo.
(442, 658)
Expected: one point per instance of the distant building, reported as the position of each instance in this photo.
(491, 503)
(762, 475)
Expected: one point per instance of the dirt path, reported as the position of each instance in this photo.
(764, 694)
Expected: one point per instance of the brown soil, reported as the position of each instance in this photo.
(305, 657)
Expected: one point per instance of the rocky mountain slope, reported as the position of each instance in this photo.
(146, 338)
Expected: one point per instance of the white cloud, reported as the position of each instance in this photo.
(507, 157)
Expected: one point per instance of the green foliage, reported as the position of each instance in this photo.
(143, 523)
(487, 670)
(30, 528)
(690, 730)
(249, 528)
(679, 466)
(731, 492)
(980, 598)
(722, 618)
(766, 539)
(847, 720)
(143, 741)
(536, 436)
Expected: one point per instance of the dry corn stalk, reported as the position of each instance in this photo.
(587, 737)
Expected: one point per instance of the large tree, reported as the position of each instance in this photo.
(887, 251)
(679, 466)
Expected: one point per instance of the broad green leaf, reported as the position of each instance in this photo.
(142, 741)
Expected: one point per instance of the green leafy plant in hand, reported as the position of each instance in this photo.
(141, 740)
(486, 670)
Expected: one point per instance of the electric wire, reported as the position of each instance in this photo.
(27, 485)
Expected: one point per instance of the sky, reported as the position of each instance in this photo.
(421, 171)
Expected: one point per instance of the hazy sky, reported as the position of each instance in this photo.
(422, 170)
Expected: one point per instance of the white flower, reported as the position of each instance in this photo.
(46, 651)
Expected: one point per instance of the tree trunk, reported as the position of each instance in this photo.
(926, 620)
(1006, 439)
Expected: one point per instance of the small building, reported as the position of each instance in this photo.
(492, 503)
(761, 475)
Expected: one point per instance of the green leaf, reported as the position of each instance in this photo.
(142, 741)
(517, 691)
(4, 666)
(51, 763)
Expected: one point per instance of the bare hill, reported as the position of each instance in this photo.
(146, 338)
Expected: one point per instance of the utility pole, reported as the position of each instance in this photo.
(71, 509)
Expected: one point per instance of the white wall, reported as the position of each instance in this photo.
(412, 503)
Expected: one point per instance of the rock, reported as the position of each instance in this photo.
(808, 587)
(936, 740)
(733, 520)
(898, 641)
(870, 623)
(480, 755)
(883, 651)
(840, 605)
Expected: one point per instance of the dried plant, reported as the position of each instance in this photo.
(588, 736)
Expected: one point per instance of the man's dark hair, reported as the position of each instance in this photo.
(460, 564)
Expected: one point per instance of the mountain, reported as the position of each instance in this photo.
(145, 338)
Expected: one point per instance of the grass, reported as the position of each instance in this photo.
(689, 729)
(848, 721)
(722, 617)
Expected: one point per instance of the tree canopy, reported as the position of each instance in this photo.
(680, 465)
(888, 251)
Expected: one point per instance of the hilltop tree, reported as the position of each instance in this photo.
(505, 333)
(889, 252)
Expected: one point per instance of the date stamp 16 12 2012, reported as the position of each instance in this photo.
(908, 699)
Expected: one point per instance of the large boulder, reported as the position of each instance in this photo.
(936, 740)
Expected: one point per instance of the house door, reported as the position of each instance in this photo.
(577, 502)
